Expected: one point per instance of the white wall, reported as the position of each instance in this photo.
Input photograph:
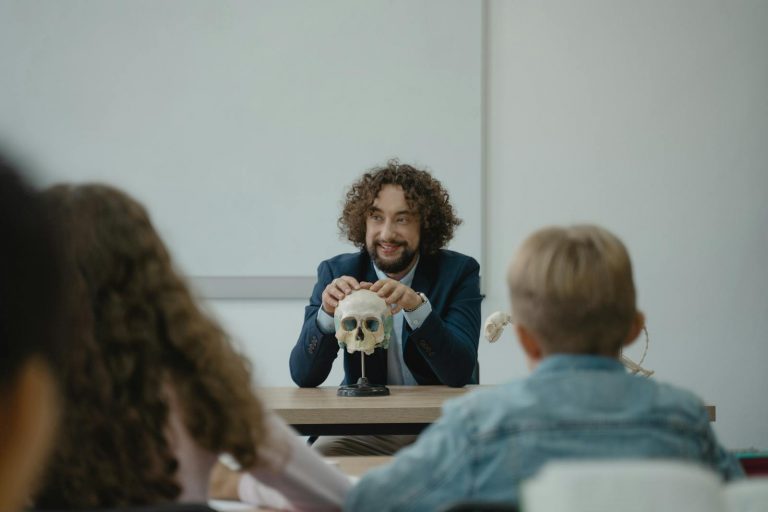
(219, 114)
(650, 118)
(267, 331)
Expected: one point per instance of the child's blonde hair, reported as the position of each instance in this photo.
(573, 288)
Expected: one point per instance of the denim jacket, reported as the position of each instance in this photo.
(572, 406)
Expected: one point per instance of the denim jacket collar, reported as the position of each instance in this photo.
(570, 362)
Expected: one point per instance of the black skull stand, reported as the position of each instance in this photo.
(362, 387)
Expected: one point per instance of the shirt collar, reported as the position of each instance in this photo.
(569, 362)
(407, 279)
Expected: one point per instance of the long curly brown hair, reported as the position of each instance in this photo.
(138, 329)
(424, 194)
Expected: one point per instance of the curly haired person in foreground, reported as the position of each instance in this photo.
(154, 391)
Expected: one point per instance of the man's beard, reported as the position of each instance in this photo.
(396, 266)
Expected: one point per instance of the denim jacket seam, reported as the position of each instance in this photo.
(504, 431)
(436, 481)
(430, 485)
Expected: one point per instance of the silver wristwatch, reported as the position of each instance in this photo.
(423, 301)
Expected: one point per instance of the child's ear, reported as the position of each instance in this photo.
(530, 343)
(638, 323)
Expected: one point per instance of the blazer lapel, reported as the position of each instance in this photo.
(377, 362)
(366, 271)
(425, 275)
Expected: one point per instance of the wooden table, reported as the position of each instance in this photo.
(356, 466)
(407, 410)
(319, 412)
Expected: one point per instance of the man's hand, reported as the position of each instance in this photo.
(338, 289)
(397, 294)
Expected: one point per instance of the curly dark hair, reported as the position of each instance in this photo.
(424, 194)
(138, 331)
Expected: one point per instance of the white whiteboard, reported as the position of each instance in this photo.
(240, 124)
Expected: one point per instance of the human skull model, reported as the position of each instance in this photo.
(495, 324)
(363, 322)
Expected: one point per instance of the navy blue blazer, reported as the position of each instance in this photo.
(442, 351)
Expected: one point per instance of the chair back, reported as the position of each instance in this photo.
(626, 485)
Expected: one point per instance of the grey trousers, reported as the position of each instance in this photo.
(339, 446)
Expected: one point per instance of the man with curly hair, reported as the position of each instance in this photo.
(400, 218)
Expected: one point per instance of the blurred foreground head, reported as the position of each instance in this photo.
(142, 344)
(31, 311)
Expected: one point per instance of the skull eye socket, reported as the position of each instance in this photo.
(372, 324)
(349, 324)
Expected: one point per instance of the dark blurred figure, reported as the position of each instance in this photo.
(30, 337)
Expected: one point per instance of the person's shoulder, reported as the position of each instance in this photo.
(486, 396)
(492, 404)
(345, 261)
(455, 259)
(678, 401)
